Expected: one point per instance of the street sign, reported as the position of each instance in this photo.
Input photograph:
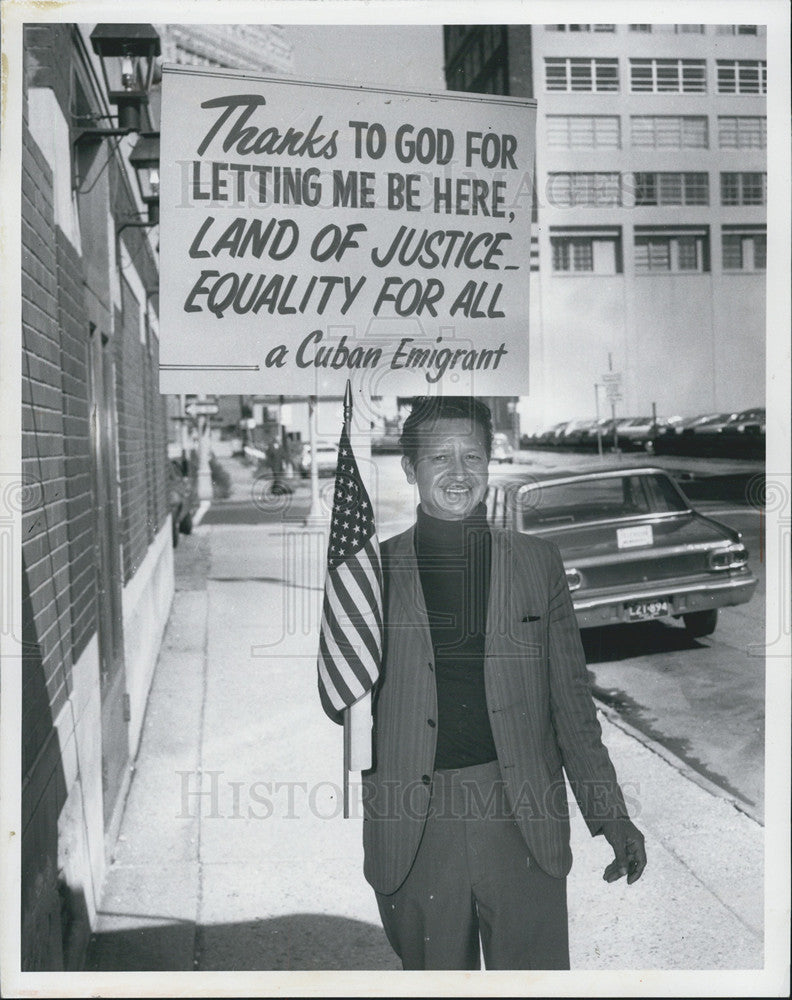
(199, 409)
(612, 378)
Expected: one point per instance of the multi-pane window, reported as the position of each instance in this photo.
(581, 188)
(742, 76)
(677, 76)
(676, 29)
(586, 251)
(742, 131)
(737, 29)
(670, 131)
(583, 131)
(744, 188)
(662, 251)
(744, 250)
(581, 74)
(580, 27)
(670, 188)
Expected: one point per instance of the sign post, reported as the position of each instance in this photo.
(612, 381)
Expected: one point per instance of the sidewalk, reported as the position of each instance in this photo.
(233, 854)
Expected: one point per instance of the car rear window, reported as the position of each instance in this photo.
(598, 499)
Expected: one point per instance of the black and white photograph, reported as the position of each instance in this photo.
(395, 499)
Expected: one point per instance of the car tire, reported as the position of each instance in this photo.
(186, 524)
(701, 623)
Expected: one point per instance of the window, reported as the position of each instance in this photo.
(571, 189)
(586, 251)
(678, 76)
(742, 132)
(661, 250)
(744, 188)
(742, 76)
(689, 29)
(580, 27)
(645, 29)
(670, 131)
(737, 29)
(581, 74)
(583, 131)
(671, 188)
(744, 249)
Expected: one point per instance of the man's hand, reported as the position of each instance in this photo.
(627, 842)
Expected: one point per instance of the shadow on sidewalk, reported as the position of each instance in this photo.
(297, 942)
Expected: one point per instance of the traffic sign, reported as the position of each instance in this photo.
(612, 378)
(201, 409)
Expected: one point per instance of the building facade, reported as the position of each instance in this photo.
(97, 559)
(260, 48)
(649, 245)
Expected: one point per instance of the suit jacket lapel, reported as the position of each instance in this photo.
(405, 582)
(499, 587)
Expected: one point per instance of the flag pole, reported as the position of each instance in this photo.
(347, 726)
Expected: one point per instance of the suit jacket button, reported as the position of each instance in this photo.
(431, 722)
(426, 779)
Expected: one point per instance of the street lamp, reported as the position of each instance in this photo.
(145, 158)
(127, 53)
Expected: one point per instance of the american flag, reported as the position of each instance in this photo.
(350, 638)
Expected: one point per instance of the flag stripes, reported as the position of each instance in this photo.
(350, 639)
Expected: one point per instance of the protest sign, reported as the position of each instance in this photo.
(315, 232)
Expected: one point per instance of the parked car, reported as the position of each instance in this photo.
(502, 450)
(747, 422)
(632, 545)
(576, 434)
(710, 424)
(182, 497)
(639, 433)
(326, 459)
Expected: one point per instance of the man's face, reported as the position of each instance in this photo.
(450, 468)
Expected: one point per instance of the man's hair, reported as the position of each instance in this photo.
(427, 410)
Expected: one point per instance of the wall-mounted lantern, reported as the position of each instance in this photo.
(145, 158)
(127, 53)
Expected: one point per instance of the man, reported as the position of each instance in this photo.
(483, 698)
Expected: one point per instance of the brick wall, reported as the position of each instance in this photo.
(47, 655)
(159, 418)
(73, 323)
(45, 65)
(131, 407)
(45, 545)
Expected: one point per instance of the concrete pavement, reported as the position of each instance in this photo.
(233, 854)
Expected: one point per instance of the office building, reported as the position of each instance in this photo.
(649, 242)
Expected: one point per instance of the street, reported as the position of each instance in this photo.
(233, 853)
(700, 699)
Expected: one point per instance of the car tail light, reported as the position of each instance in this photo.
(733, 557)
(574, 579)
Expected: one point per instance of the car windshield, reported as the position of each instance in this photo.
(599, 499)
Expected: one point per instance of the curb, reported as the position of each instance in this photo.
(684, 768)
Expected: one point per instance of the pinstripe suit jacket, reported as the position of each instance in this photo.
(539, 704)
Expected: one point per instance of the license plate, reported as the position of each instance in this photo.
(641, 610)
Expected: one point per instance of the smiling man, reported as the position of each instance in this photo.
(483, 699)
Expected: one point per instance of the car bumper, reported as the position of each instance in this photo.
(610, 607)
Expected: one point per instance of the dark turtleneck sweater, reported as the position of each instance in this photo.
(454, 565)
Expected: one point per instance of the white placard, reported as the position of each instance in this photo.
(312, 233)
